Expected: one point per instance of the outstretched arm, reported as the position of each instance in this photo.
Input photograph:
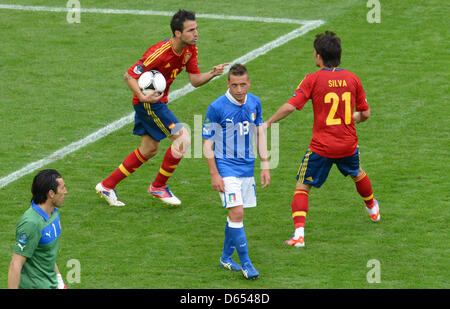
(202, 78)
(281, 113)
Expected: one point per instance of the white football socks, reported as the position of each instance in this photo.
(299, 232)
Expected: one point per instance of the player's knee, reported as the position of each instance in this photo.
(360, 173)
(236, 214)
(186, 140)
(302, 186)
(182, 140)
(149, 146)
(148, 152)
(359, 176)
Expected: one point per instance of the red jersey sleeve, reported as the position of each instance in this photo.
(361, 101)
(137, 69)
(192, 63)
(302, 94)
(150, 60)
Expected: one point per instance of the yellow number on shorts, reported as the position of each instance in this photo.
(332, 97)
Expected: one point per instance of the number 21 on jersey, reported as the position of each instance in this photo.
(332, 97)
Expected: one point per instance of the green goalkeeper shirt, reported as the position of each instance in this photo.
(37, 239)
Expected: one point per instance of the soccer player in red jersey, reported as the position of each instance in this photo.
(335, 94)
(153, 119)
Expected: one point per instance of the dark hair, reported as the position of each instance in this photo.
(179, 18)
(328, 46)
(237, 70)
(43, 182)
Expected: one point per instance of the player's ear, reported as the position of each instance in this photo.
(51, 194)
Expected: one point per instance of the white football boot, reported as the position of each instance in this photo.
(109, 195)
(298, 239)
(164, 194)
(374, 212)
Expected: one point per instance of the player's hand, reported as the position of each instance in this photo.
(217, 183)
(219, 69)
(266, 125)
(357, 117)
(151, 97)
(265, 178)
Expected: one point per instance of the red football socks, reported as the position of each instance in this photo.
(299, 207)
(131, 163)
(168, 166)
(364, 188)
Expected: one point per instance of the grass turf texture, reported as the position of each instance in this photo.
(63, 81)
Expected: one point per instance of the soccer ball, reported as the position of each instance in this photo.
(152, 80)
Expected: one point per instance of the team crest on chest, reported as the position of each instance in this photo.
(186, 58)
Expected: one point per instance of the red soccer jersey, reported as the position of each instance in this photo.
(334, 93)
(163, 58)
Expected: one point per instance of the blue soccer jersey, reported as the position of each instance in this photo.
(232, 126)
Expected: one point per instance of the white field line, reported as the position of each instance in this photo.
(148, 12)
(118, 124)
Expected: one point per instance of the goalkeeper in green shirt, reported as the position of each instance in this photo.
(33, 264)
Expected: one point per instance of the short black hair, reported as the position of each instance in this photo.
(237, 70)
(43, 182)
(179, 18)
(328, 46)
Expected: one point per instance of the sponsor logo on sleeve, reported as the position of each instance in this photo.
(22, 241)
(138, 69)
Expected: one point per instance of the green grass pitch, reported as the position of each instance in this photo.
(62, 81)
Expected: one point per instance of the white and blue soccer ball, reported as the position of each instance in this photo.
(152, 80)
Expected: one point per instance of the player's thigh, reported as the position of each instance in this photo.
(232, 196)
(313, 169)
(240, 193)
(349, 165)
(248, 191)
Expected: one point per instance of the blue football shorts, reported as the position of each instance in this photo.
(156, 120)
(314, 168)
